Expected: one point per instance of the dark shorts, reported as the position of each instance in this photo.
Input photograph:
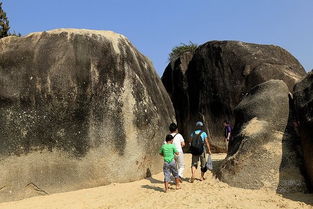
(197, 158)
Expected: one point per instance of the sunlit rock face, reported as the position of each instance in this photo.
(78, 108)
(263, 152)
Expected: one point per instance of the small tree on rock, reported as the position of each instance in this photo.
(177, 51)
(4, 23)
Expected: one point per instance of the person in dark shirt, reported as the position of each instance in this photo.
(227, 133)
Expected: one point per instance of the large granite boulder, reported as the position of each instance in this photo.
(78, 108)
(303, 97)
(176, 84)
(210, 84)
(262, 154)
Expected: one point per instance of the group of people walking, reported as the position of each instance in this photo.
(172, 152)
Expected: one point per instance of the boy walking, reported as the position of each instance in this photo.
(168, 151)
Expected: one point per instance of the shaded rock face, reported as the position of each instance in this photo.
(261, 153)
(217, 77)
(78, 108)
(176, 84)
(303, 99)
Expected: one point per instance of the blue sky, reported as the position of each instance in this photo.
(155, 27)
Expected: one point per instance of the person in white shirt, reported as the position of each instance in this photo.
(179, 143)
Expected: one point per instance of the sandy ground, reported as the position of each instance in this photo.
(148, 193)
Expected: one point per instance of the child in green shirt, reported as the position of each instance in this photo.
(168, 152)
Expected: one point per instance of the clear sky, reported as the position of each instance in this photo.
(155, 27)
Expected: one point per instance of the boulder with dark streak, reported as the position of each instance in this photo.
(209, 84)
(78, 109)
(175, 81)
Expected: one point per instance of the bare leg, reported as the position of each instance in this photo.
(202, 176)
(193, 171)
(166, 186)
(180, 180)
(177, 183)
(226, 144)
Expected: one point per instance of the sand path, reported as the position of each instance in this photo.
(148, 193)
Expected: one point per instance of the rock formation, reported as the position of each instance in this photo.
(176, 84)
(78, 108)
(303, 98)
(211, 83)
(260, 154)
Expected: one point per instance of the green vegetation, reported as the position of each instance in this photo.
(177, 51)
(4, 23)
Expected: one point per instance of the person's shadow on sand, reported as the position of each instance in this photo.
(154, 181)
(155, 188)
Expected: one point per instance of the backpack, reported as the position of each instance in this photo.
(196, 147)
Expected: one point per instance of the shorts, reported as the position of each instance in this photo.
(168, 169)
(196, 158)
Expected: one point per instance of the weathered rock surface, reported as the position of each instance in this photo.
(176, 84)
(78, 108)
(303, 97)
(261, 154)
(211, 83)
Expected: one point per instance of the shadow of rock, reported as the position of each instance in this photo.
(292, 174)
(216, 165)
(300, 197)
